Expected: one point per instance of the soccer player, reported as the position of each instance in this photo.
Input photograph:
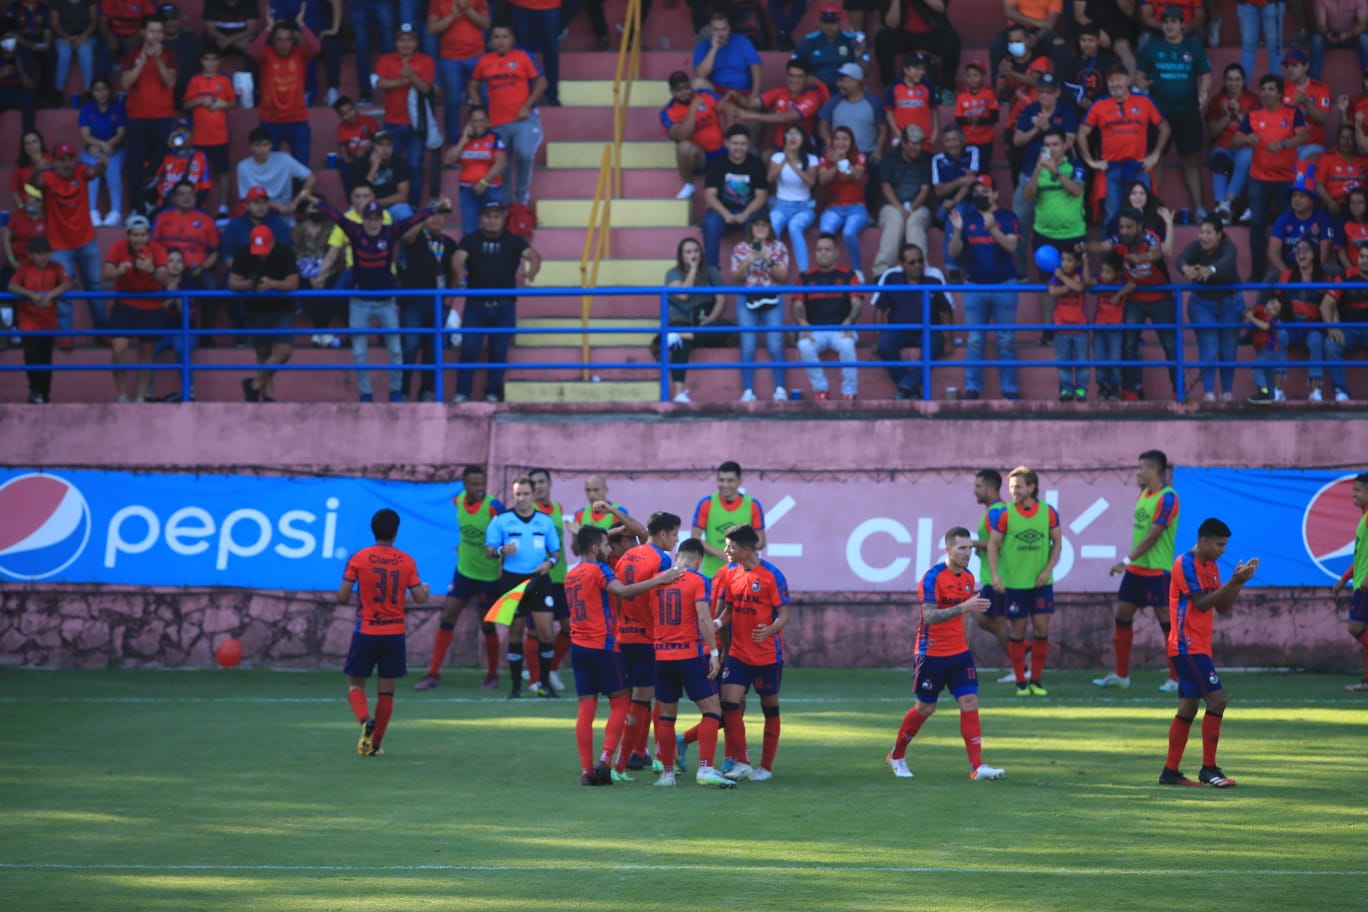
(594, 647)
(717, 514)
(528, 543)
(475, 578)
(1195, 592)
(687, 660)
(600, 511)
(1356, 574)
(943, 656)
(755, 600)
(1145, 568)
(1023, 549)
(380, 575)
(636, 636)
(560, 643)
(988, 493)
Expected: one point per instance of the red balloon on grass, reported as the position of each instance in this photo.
(229, 653)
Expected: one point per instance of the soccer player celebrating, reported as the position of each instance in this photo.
(475, 578)
(943, 656)
(755, 599)
(687, 661)
(1145, 569)
(594, 648)
(1357, 574)
(379, 575)
(1023, 549)
(1195, 592)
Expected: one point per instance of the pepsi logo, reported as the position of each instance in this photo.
(44, 526)
(1328, 526)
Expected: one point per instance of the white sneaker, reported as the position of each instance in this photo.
(740, 771)
(1223, 210)
(556, 682)
(685, 192)
(666, 780)
(1315, 396)
(761, 774)
(709, 777)
(1341, 395)
(1227, 397)
(1112, 679)
(682, 397)
(985, 772)
(331, 97)
(316, 340)
(1279, 396)
(1008, 678)
(1169, 686)
(748, 396)
(1208, 397)
(95, 218)
(899, 767)
(1246, 217)
(113, 220)
(537, 688)
(780, 394)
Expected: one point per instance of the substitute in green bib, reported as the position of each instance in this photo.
(474, 579)
(718, 513)
(1145, 575)
(599, 511)
(541, 496)
(1024, 542)
(988, 494)
(1357, 574)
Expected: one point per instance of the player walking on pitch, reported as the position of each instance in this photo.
(1357, 574)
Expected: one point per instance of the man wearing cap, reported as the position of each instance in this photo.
(912, 101)
(185, 43)
(735, 189)
(1180, 83)
(149, 78)
(905, 189)
(1275, 130)
(406, 70)
(691, 121)
(1301, 219)
(387, 174)
(987, 236)
(235, 237)
(1039, 117)
(276, 172)
(64, 191)
(1123, 120)
(917, 25)
(1339, 24)
(264, 272)
(182, 162)
(726, 60)
(135, 263)
(856, 109)
(1310, 96)
(515, 84)
(826, 49)
(284, 68)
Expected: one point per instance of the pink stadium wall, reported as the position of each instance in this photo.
(645, 450)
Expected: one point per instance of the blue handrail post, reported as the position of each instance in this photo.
(438, 348)
(187, 348)
(664, 346)
(1179, 380)
(925, 366)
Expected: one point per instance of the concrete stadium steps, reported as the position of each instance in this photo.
(595, 125)
(623, 243)
(656, 153)
(646, 330)
(579, 92)
(637, 183)
(627, 213)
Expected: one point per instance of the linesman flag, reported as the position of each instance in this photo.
(506, 605)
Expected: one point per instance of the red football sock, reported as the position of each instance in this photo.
(665, 740)
(691, 736)
(612, 733)
(734, 728)
(707, 739)
(1363, 638)
(1211, 736)
(637, 713)
(439, 649)
(584, 731)
(1016, 651)
(562, 649)
(357, 698)
(655, 725)
(492, 654)
(972, 734)
(643, 732)
(1123, 637)
(530, 648)
(1040, 648)
(911, 724)
(771, 742)
(1178, 738)
(384, 708)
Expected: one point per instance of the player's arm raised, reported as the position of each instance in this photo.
(1223, 599)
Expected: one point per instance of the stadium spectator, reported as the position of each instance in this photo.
(1017, 76)
(1142, 254)
(209, 97)
(460, 26)
(1053, 195)
(1111, 26)
(691, 121)
(1302, 219)
(35, 41)
(1180, 83)
(324, 18)
(953, 172)
(1039, 18)
(823, 314)
(793, 173)
(515, 84)
(727, 61)
(1341, 169)
(363, 14)
(1351, 231)
(309, 238)
(1274, 130)
(69, 227)
(826, 49)
(1260, 16)
(977, 111)
(482, 159)
(17, 82)
(39, 284)
(917, 25)
(276, 172)
(852, 106)
(735, 190)
(33, 157)
(1122, 121)
(1269, 341)
(236, 236)
(899, 303)
(1228, 163)
(26, 224)
(387, 174)
(1107, 317)
(120, 25)
(796, 103)
(181, 162)
(1084, 73)
(911, 101)
(1139, 196)
(1339, 24)
(186, 45)
(1311, 97)
(135, 264)
(1028, 141)
(1208, 262)
(261, 270)
(696, 307)
(400, 75)
(760, 261)
(149, 78)
(842, 171)
(905, 192)
(429, 254)
(354, 134)
(192, 231)
(1309, 305)
(988, 236)
(101, 124)
(1351, 313)
(490, 258)
(284, 68)
(231, 26)
(1067, 287)
(73, 28)
(538, 24)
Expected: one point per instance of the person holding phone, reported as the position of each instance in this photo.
(1055, 193)
(482, 158)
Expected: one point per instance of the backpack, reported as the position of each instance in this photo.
(522, 221)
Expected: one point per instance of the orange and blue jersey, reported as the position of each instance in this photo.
(635, 624)
(508, 78)
(1191, 630)
(942, 587)
(592, 621)
(755, 596)
(382, 574)
(477, 158)
(910, 104)
(676, 617)
(1144, 273)
(707, 134)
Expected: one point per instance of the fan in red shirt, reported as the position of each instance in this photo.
(404, 71)
(692, 123)
(135, 264)
(515, 84)
(191, 231)
(284, 71)
(209, 96)
(1274, 130)
(69, 227)
(149, 78)
(910, 101)
(1310, 96)
(1229, 166)
(38, 284)
(182, 162)
(354, 133)
(461, 26)
(977, 111)
(1340, 171)
(796, 102)
(1142, 254)
(1123, 120)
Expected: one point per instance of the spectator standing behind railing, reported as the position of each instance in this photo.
(760, 261)
(149, 78)
(1351, 312)
(460, 25)
(73, 28)
(1256, 16)
(1035, 121)
(1122, 120)
(1228, 163)
(1274, 130)
(1111, 307)
(262, 270)
(1054, 195)
(1270, 344)
(208, 98)
(899, 303)
(324, 18)
(793, 173)
(1142, 253)
(38, 284)
(430, 256)
(515, 84)
(482, 159)
(538, 25)
(1341, 169)
(235, 237)
(70, 228)
(1209, 262)
(135, 264)
(1180, 71)
(1309, 305)
(824, 314)
(988, 236)
(400, 75)
(697, 307)
(284, 68)
(1067, 287)
(17, 82)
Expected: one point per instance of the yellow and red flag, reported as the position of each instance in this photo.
(506, 605)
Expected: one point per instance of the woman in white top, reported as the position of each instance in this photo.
(758, 262)
(793, 174)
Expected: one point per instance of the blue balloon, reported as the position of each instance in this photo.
(1047, 258)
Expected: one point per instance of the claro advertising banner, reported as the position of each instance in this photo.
(826, 532)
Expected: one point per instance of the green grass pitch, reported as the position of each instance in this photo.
(182, 790)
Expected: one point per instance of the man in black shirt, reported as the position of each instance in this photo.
(735, 190)
(490, 258)
(430, 255)
(818, 310)
(262, 269)
(388, 174)
(902, 304)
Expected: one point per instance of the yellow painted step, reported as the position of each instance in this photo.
(598, 93)
(626, 213)
(573, 391)
(637, 154)
(572, 340)
(617, 273)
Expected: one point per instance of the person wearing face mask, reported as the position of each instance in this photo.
(1038, 16)
(16, 77)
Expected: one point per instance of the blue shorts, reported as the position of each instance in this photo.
(765, 678)
(683, 676)
(465, 589)
(383, 652)
(597, 671)
(997, 604)
(1021, 603)
(1358, 607)
(1144, 591)
(936, 673)
(1196, 675)
(639, 661)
